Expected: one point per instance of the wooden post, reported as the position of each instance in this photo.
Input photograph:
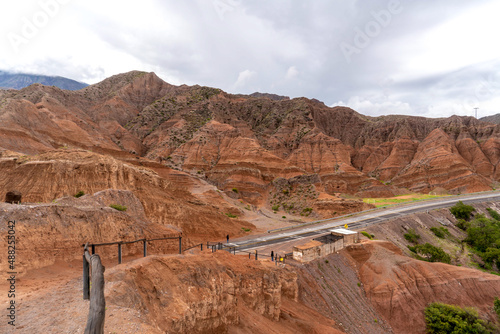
(97, 309)
(93, 249)
(119, 253)
(145, 246)
(256, 254)
(180, 245)
(86, 279)
(201, 246)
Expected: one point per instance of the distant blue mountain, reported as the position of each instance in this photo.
(21, 80)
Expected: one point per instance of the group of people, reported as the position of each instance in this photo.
(280, 259)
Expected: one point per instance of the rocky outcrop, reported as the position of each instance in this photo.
(47, 233)
(207, 293)
(166, 201)
(400, 287)
(438, 163)
(245, 142)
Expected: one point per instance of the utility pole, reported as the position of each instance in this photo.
(476, 108)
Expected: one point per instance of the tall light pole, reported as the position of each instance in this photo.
(476, 108)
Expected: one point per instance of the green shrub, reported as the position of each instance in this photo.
(276, 207)
(79, 194)
(412, 236)
(230, 215)
(118, 207)
(306, 211)
(462, 211)
(235, 190)
(496, 307)
(495, 215)
(462, 224)
(483, 233)
(440, 231)
(368, 235)
(432, 253)
(443, 318)
(412, 248)
(284, 217)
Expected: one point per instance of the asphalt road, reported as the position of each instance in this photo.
(358, 221)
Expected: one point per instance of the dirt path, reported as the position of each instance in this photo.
(49, 300)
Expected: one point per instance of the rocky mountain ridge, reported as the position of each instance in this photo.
(246, 144)
(10, 80)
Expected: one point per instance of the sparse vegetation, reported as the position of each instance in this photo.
(368, 235)
(118, 207)
(246, 229)
(495, 215)
(380, 202)
(443, 318)
(79, 194)
(230, 215)
(483, 235)
(432, 253)
(235, 190)
(306, 211)
(496, 307)
(462, 211)
(440, 232)
(276, 207)
(412, 236)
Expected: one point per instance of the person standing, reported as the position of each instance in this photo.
(227, 238)
(272, 256)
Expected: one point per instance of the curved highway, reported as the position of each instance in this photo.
(357, 221)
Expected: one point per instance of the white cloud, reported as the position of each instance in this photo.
(291, 73)
(243, 78)
(370, 108)
(414, 65)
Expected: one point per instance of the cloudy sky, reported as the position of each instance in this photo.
(378, 57)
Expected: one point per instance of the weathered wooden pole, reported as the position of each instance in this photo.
(86, 279)
(119, 253)
(97, 309)
(145, 248)
(180, 245)
(201, 246)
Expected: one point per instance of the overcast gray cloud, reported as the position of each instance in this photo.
(378, 57)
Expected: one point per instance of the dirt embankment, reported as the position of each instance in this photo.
(166, 200)
(331, 285)
(47, 233)
(400, 287)
(394, 230)
(213, 293)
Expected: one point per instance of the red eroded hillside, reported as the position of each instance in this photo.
(247, 142)
(400, 287)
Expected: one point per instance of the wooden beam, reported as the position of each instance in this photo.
(97, 309)
(86, 279)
